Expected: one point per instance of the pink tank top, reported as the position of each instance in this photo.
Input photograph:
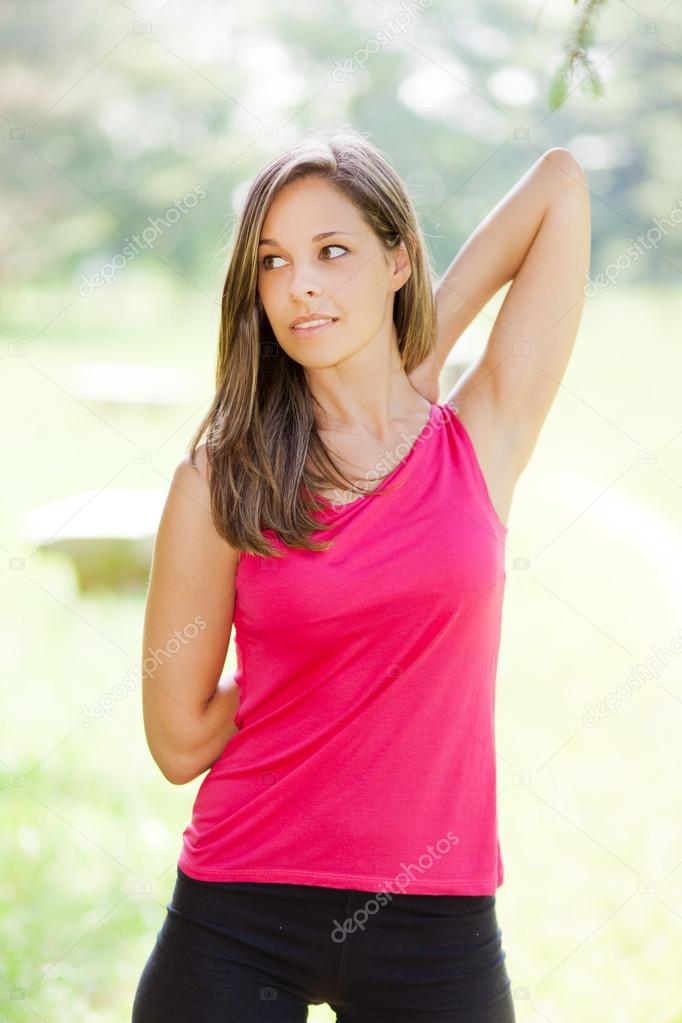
(365, 756)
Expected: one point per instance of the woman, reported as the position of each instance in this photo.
(343, 847)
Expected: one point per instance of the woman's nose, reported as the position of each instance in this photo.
(304, 284)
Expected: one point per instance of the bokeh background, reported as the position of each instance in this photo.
(130, 130)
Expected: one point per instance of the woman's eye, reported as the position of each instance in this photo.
(325, 248)
(265, 259)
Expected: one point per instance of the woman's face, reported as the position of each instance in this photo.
(346, 275)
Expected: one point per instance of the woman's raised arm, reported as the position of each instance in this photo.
(538, 236)
(494, 253)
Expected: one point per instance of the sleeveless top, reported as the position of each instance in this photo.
(365, 756)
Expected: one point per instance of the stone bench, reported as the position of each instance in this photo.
(107, 535)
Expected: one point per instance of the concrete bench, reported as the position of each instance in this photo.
(116, 387)
(107, 535)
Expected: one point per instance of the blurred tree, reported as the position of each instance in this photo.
(110, 123)
(577, 62)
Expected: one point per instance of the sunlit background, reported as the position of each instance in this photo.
(130, 131)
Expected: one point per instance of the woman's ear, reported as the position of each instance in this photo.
(402, 268)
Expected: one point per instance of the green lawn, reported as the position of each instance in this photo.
(590, 822)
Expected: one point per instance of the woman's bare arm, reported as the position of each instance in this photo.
(493, 255)
(506, 395)
(188, 707)
(538, 236)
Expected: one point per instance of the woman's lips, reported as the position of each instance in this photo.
(305, 331)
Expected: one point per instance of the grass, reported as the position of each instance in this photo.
(591, 907)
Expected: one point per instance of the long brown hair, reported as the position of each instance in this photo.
(264, 454)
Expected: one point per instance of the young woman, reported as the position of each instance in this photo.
(343, 847)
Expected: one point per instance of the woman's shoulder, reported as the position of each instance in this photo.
(192, 474)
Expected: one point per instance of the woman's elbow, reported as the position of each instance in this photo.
(178, 771)
(567, 164)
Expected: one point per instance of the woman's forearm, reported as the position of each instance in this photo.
(209, 732)
(492, 256)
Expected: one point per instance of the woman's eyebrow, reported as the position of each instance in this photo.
(316, 238)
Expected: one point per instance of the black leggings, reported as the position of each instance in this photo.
(232, 952)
